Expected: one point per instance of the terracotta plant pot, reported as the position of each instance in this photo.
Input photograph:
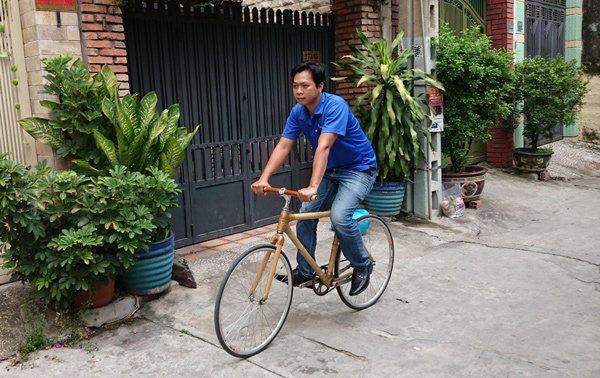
(98, 295)
(471, 181)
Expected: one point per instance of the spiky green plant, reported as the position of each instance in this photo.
(91, 125)
(391, 116)
(143, 138)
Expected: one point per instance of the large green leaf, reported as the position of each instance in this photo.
(185, 138)
(173, 152)
(107, 147)
(390, 106)
(83, 167)
(147, 109)
(365, 79)
(368, 46)
(110, 81)
(41, 130)
(165, 166)
(123, 121)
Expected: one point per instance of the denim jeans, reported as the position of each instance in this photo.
(341, 191)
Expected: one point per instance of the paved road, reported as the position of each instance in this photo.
(511, 289)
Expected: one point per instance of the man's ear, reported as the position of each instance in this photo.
(321, 86)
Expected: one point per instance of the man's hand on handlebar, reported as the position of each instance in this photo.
(259, 186)
(307, 194)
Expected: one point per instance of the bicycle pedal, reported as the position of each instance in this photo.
(307, 284)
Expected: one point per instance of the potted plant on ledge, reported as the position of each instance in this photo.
(96, 129)
(67, 233)
(478, 83)
(549, 93)
(392, 118)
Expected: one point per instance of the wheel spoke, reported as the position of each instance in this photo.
(379, 244)
(245, 325)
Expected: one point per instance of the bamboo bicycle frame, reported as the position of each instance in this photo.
(283, 227)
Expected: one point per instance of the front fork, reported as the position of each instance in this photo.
(278, 241)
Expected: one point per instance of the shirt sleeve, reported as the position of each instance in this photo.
(292, 128)
(335, 118)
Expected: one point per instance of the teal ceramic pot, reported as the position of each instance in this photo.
(386, 199)
(151, 273)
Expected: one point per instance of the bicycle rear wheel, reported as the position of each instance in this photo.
(378, 242)
(244, 324)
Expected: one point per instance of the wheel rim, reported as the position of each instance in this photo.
(378, 241)
(245, 325)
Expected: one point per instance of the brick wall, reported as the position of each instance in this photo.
(499, 18)
(104, 38)
(349, 16)
(395, 18)
(321, 6)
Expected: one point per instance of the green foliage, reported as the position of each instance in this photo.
(549, 91)
(92, 126)
(18, 202)
(143, 138)
(75, 114)
(478, 84)
(390, 115)
(64, 232)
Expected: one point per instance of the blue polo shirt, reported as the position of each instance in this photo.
(351, 150)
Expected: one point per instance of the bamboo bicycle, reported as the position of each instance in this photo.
(252, 306)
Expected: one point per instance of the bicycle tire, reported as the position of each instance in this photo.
(244, 326)
(378, 240)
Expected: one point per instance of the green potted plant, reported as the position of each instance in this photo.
(65, 232)
(392, 118)
(478, 83)
(549, 92)
(75, 114)
(96, 129)
(110, 131)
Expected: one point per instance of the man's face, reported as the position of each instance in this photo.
(306, 91)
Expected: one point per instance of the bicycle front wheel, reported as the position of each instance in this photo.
(244, 323)
(379, 244)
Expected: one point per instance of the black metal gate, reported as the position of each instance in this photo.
(545, 27)
(229, 69)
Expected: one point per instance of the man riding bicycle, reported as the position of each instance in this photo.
(343, 171)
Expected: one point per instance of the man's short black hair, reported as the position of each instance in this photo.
(317, 70)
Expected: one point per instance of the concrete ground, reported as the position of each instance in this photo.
(510, 289)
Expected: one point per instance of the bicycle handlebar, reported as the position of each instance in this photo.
(282, 191)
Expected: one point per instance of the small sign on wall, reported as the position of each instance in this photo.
(56, 5)
(311, 56)
(435, 97)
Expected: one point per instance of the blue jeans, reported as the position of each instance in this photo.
(341, 191)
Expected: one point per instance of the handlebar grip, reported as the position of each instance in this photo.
(288, 192)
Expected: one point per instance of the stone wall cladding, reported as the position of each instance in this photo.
(44, 37)
(321, 6)
(104, 38)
